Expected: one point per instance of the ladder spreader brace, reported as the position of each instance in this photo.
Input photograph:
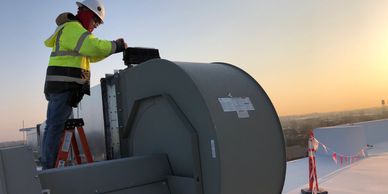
(68, 138)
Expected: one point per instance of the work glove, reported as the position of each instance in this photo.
(121, 45)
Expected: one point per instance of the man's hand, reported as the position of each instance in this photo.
(121, 45)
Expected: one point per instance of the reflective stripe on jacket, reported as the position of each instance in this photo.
(73, 50)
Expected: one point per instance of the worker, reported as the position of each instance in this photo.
(74, 47)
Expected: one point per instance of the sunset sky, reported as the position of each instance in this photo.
(308, 55)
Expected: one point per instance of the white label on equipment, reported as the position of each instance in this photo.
(213, 148)
(242, 114)
(237, 104)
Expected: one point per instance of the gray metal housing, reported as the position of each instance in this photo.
(216, 124)
(18, 173)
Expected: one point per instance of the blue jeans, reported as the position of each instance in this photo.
(58, 111)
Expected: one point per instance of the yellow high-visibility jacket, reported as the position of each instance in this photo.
(74, 48)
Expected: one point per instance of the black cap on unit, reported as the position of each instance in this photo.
(137, 55)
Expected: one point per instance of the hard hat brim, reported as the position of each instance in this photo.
(79, 4)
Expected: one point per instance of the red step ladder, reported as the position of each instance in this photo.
(68, 141)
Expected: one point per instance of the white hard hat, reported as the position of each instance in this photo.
(96, 6)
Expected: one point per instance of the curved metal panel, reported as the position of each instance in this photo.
(240, 138)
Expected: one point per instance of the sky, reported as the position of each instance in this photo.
(308, 55)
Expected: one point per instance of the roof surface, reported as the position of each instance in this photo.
(368, 175)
